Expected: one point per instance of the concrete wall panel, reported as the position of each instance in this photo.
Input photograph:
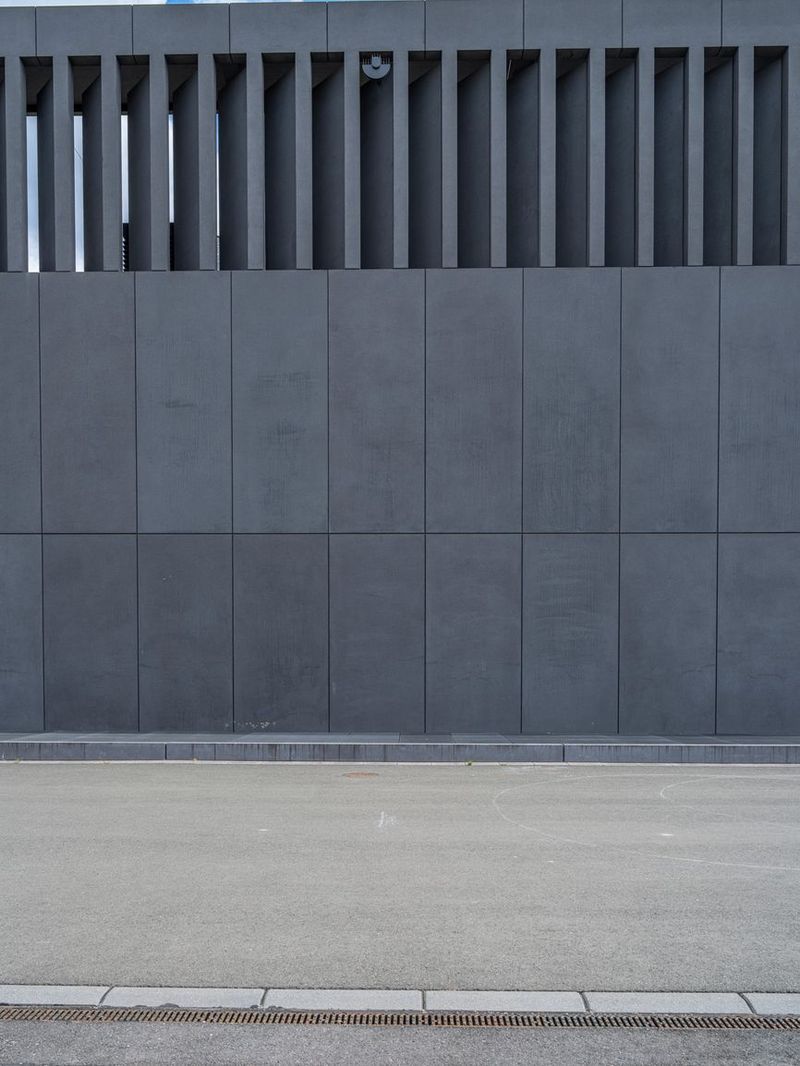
(377, 611)
(759, 473)
(573, 24)
(376, 26)
(279, 28)
(570, 634)
(377, 401)
(671, 23)
(183, 351)
(280, 402)
(90, 660)
(21, 706)
(474, 400)
(670, 356)
(185, 633)
(767, 22)
(473, 633)
(88, 403)
(98, 30)
(280, 648)
(667, 634)
(759, 634)
(571, 418)
(20, 488)
(464, 25)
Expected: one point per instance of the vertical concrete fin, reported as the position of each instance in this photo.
(400, 157)
(645, 75)
(303, 162)
(206, 162)
(102, 177)
(695, 84)
(14, 208)
(597, 156)
(547, 157)
(254, 148)
(449, 158)
(743, 252)
(792, 119)
(499, 209)
(352, 159)
(56, 169)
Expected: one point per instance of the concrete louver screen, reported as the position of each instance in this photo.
(501, 135)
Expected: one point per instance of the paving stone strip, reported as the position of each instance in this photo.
(404, 999)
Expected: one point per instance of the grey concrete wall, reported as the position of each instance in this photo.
(481, 501)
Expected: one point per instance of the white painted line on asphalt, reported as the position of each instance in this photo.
(544, 1002)
(667, 1002)
(198, 998)
(53, 995)
(774, 1002)
(344, 998)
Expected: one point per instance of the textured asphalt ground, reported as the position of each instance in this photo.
(456, 876)
(49, 1044)
(544, 877)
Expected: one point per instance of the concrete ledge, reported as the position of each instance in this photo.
(44, 747)
(344, 998)
(513, 1002)
(196, 998)
(667, 1003)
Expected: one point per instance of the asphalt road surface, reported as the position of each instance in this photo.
(335, 875)
(50, 1044)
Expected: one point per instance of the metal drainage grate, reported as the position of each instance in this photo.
(420, 1019)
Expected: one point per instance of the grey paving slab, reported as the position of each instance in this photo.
(90, 631)
(668, 1002)
(505, 1001)
(377, 401)
(280, 632)
(759, 629)
(473, 624)
(774, 1002)
(344, 998)
(377, 620)
(199, 998)
(667, 633)
(474, 399)
(759, 481)
(20, 500)
(59, 995)
(570, 632)
(183, 369)
(185, 632)
(21, 705)
(670, 356)
(280, 401)
(572, 398)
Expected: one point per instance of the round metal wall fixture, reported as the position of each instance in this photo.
(376, 66)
